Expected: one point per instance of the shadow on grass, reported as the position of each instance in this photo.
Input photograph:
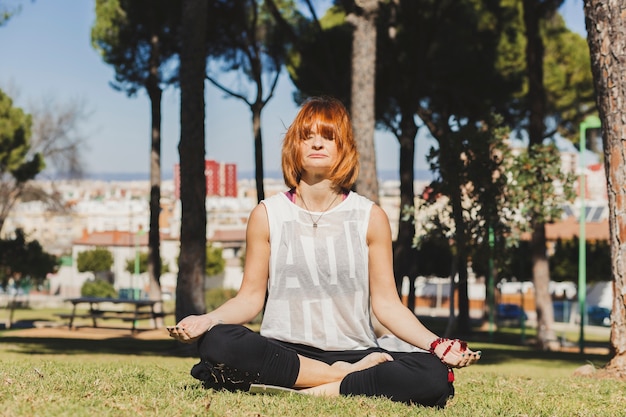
(122, 345)
(114, 345)
(499, 347)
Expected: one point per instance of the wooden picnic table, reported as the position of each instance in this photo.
(99, 308)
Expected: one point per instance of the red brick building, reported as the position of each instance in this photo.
(221, 179)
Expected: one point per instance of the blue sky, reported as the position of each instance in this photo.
(46, 54)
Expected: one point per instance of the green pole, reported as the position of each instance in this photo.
(582, 253)
(591, 122)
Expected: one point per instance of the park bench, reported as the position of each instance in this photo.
(106, 309)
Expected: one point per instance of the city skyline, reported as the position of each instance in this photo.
(47, 56)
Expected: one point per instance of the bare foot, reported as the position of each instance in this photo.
(370, 360)
(332, 389)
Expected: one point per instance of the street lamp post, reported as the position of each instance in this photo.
(590, 122)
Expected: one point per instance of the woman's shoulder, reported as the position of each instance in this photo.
(359, 199)
(279, 201)
(277, 198)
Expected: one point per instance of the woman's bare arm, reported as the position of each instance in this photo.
(388, 307)
(250, 298)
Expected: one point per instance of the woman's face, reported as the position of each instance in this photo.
(319, 154)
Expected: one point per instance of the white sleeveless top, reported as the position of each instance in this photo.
(318, 290)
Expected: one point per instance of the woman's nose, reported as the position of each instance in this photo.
(318, 141)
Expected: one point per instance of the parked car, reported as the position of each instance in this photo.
(599, 316)
(510, 312)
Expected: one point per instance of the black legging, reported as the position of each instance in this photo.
(233, 357)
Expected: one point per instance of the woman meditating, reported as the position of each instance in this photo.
(319, 262)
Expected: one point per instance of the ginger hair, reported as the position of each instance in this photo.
(329, 117)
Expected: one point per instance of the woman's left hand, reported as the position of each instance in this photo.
(192, 327)
(455, 353)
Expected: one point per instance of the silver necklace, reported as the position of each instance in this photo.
(316, 221)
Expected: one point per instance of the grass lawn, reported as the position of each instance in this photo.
(126, 376)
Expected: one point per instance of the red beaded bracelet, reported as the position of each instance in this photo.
(436, 343)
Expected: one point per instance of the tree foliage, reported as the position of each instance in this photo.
(564, 264)
(480, 173)
(94, 260)
(53, 140)
(143, 264)
(7, 12)
(18, 164)
(21, 259)
(123, 34)
(252, 53)
(570, 94)
(318, 61)
(539, 187)
(58, 136)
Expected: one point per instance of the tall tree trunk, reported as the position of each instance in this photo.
(154, 238)
(451, 171)
(537, 111)
(363, 94)
(404, 254)
(606, 35)
(192, 260)
(463, 324)
(258, 148)
(546, 337)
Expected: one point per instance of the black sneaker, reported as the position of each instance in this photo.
(219, 376)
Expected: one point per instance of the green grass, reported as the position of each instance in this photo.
(128, 376)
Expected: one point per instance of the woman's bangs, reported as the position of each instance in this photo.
(320, 120)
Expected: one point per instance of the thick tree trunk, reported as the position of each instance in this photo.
(404, 254)
(154, 237)
(192, 260)
(363, 94)
(537, 112)
(258, 150)
(546, 337)
(463, 324)
(450, 170)
(606, 35)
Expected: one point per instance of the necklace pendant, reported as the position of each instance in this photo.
(314, 225)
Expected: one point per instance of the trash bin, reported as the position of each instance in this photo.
(129, 293)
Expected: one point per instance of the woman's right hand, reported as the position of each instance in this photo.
(192, 327)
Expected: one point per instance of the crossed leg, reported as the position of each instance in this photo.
(318, 378)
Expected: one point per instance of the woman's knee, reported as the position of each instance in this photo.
(416, 380)
(225, 341)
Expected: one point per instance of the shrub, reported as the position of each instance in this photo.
(98, 288)
(94, 260)
(214, 261)
(215, 297)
